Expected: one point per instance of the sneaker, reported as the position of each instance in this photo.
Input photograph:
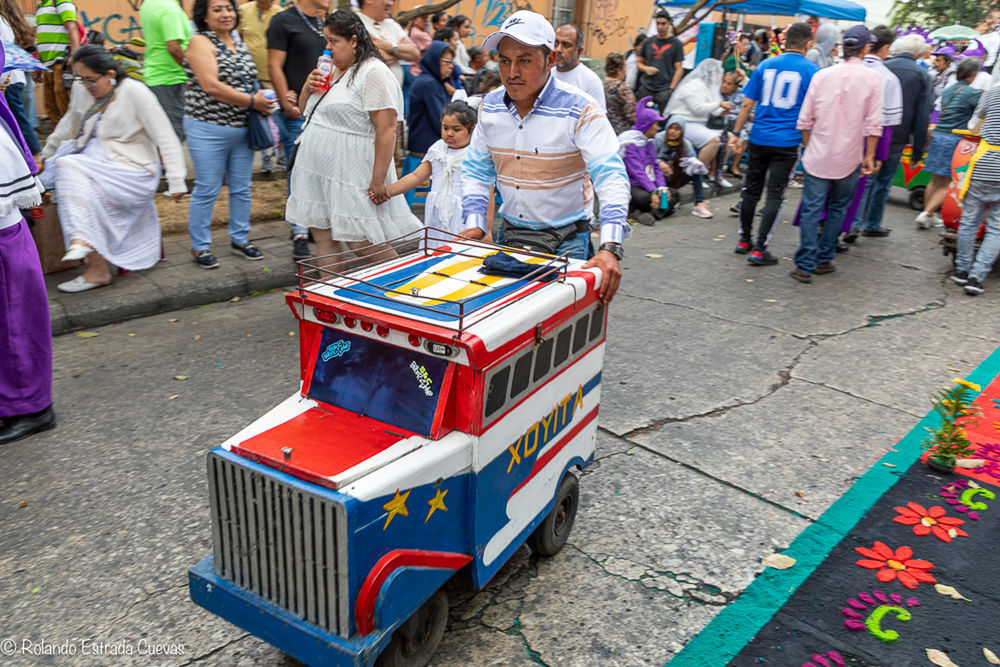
(205, 259)
(646, 219)
(742, 248)
(800, 275)
(246, 251)
(849, 237)
(973, 287)
(796, 182)
(938, 221)
(701, 210)
(924, 220)
(300, 248)
(960, 277)
(877, 233)
(724, 183)
(267, 163)
(735, 208)
(762, 258)
(825, 267)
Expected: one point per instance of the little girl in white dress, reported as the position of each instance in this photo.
(443, 164)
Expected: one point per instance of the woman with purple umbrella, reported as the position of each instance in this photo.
(25, 330)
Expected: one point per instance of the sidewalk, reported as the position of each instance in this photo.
(176, 282)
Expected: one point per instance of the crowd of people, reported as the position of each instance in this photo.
(521, 140)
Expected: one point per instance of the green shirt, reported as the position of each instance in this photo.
(163, 21)
(52, 38)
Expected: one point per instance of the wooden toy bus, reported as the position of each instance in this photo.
(441, 416)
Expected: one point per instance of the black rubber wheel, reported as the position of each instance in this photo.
(416, 640)
(917, 198)
(553, 532)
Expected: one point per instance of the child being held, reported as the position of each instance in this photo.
(443, 164)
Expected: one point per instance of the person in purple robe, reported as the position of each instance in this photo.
(25, 329)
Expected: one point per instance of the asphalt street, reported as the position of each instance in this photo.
(737, 405)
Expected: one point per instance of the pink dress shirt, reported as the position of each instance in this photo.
(842, 106)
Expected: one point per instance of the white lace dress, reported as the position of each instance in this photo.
(336, 153)
(443, 209)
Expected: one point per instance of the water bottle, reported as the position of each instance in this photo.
(325, 65)
(270, 96)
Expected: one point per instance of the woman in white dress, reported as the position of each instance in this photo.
(343, 164)
(102, 160)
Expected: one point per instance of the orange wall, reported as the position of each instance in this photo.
(608, 25)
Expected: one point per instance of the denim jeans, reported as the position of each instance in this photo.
(15, 95)
(217, 151)
(982, 195)
(289, 130)
(877, 193)
(833, 194)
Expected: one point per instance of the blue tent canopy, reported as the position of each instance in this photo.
(831, 9)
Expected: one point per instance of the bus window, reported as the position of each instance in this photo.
(562, 345)
(596, 323)
(497, 391)
(543, 357)
(522, 375)
(580, 336)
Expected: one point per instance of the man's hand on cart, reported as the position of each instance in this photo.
(611, 273)
(475, 234)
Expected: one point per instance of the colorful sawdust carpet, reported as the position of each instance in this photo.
(901, 571)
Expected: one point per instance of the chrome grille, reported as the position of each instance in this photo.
(284, 544)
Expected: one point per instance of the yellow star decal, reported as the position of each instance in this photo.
(436, 503)
(396, 506)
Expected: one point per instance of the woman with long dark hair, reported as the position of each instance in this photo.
(13, 28)
(103, 158)
(343, 164)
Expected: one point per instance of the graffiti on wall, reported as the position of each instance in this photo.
(487, 16)
(607, 23)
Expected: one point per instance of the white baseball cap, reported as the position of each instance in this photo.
(526, 27)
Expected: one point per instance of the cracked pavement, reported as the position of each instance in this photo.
(737, 405)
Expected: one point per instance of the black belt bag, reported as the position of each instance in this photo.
(546, 240)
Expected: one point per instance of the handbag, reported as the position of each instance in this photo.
(258, 131)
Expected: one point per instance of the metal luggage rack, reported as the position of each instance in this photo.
(337, 270)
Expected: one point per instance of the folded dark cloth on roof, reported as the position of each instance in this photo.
(502, 264)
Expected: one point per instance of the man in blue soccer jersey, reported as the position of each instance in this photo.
(777, 86)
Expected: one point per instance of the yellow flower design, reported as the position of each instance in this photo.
(968, 385)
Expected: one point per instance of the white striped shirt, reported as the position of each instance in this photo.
(546, 165)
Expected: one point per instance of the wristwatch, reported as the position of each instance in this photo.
(395, 50)
(615, 249)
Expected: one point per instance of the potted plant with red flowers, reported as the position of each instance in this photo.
(947, 443)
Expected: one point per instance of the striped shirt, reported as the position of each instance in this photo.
(52, 37)
(546, 165)
(988, 166)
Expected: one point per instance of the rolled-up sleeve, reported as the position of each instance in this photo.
(479, 174)
(807, 114)
(599, 147)
(873, 109)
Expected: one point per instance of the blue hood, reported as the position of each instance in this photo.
(430, 62)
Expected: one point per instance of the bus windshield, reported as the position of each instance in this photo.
(394, 385)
